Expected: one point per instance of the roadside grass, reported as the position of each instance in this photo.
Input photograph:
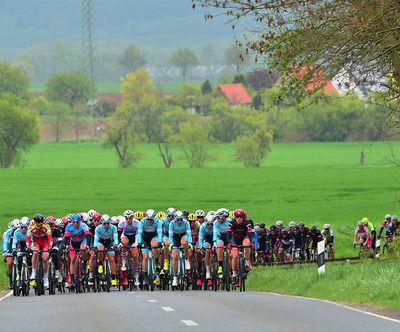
(367, 282)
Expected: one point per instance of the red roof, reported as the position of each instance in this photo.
(318, 79)
(235, 93)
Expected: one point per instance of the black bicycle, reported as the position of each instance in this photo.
(242, 274)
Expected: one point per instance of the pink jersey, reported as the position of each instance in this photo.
(362, 231)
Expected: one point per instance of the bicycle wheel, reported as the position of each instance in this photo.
(181, 278)
(78, 275)
(241, 269)
(39, 278)
(14, 276)
(50, 276)
(107, 274)
(150, 274)
(226, 273)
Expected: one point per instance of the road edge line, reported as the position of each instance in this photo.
(338, 304)
(5, 296)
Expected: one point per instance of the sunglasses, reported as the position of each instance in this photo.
(179, 219)
(75, 222)
(106, 223)
(200, 217)
(24, 227)
(170, 216)
(239, 216)
(209, 224)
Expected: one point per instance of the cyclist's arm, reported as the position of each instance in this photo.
(159, 231)
(189, 232)
(201, 236)
(115, 234)
(96, 237)
(140, 232)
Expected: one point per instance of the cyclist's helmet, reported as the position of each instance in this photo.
(257, 229)
(360, 223)
(38, 217)
(161, 215)
(128, 214)
(59, 223)
(192, 217)
(185, 214)
(16, 223)
(69, 217)
(90, 213)
(105, 218)
(296, 228)
(209, 220)
(24, 222)
(179, 215)
(284, 231)
(279, 223)
(222, 213)
(96, 217)
(76, 217)
(301, 224)
(121, 218)
(388, 216)
(272, 228)
(114, 220)
(51, 221)
(10, 225)
(245, 214)
(239, 213)
(85, 217)
(313, 229)
(365, 220)
(262, 225)
(327, 226)
(65, 221)
(211, 213)
(139, 215)
(200, 213)
(395, 218)
(231, 214)
(150, 214)
(292, 224)
(171, 211)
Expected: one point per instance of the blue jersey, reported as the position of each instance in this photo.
(205, 235)
(19, 237)
(148, 231)
(110, 233)
(77, 234)
(129, 230)
(7, 238)
(165, 225)
(175, 229)
(221, 229)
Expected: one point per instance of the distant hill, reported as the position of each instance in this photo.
(154, 24)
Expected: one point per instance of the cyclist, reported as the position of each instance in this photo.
(200, 214)
(364, 236)
(272, 241)
(298, 240)
(106, 237)
(261, 236)
(42, 240)
(388, 226)
(396, 225)
(291, 225)
(205, 241)
(149, 237)
(127, 231)
(313, 237)
(165, 226)
(19, 242)
(305, 230)
(77, 236)
(372, 232)
(179, 235)
(329, 239)
(7, 248)
(279, 225)
(284, 246)
(238, 234)
(57, 247)
(220, 235)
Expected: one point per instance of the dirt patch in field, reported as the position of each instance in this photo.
(4, 292)
(391, 313)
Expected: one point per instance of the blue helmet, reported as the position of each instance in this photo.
(76, 217)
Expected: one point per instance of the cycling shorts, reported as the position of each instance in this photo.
(76, 245)
(177, 238)
(223, 239)
(41, 244)
(106, 243)
(146, 245)
(284, 246)
(132, 240)
(238, 241)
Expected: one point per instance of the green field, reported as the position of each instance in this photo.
(312, 182)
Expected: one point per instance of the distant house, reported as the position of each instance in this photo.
(235, 94)
(317, 80)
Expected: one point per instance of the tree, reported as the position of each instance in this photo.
(120, 134)
(19, 129)
(305, 37)
(67, 87)
(62, 57)
(132, 59)
(235, 56)
(206, 87)
(55, 114)
(194, 140)
(136, 86)
(251, 148)
(184, 59)
(14, 81)
(188, 96)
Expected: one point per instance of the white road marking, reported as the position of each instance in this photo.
(5, 296)
(168, 309)
(152, 301)
(190, 323)
(139, 295)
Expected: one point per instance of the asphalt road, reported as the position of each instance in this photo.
(182, 311)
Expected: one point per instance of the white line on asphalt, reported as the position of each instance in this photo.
(139, 295)
(5, 296)
(152, 301)
(190, 323)
(338, 304)
(167, 309)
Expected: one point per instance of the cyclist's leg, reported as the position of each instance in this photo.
(155, 253)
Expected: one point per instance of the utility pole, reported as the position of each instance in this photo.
(89, 55)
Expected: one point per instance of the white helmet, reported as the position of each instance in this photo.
(178, 215)
(150, 214)
(114, 220)
(128, 214)
(10, 225)
(360, 223)
(388, 216)
(211, 213)
(16, 223)
(327, 226)
(59, 223)
(222, 213)
(105, 218)
(85, 217)
(90, 213)
(209, 219)
(292, 224)
(25, 220)
(200, 213)
(279, 223)
(121, 218)
(171, 211)
(395, 218)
